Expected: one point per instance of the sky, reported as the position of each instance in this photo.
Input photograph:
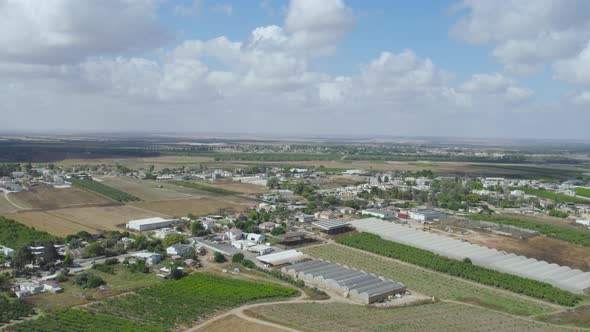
(461, 68)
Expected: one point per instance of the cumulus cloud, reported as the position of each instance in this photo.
(525, 34)
(67, 31)
(575, 69)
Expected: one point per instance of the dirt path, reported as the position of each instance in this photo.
(239, 312)
(6, 196)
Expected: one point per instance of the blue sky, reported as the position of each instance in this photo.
(482, 68)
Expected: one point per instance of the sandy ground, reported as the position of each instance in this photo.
(47, 197)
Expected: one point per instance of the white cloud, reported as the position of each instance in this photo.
(525, 34)
(225, 9)
(190, 8)
(66, 31)
(575, 69)
(318, 25)
(582, 98)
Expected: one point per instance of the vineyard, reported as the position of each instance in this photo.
(581, 237)
(105, 190)
(189, 299)
(429, 317)
(16, 235)
(204, 187)
(13, 309)
(77, 320)
(583, 192)
(466, 270)
(431, 283)
(558, 198)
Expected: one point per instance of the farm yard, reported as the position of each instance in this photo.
(432, 283)
(440, 316)
(47, 197)
(193, 298)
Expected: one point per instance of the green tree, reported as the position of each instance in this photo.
(237, 258)
(172, 239)
(278, 231)
(218, 257)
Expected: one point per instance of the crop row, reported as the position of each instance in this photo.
(13, 309)
(462, 269)
(105, 190)
(77, 320)
(188, 299)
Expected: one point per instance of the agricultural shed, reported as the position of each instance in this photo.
(332, 226)
(355, 284)
(563, 277)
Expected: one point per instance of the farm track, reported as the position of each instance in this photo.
(6, 196)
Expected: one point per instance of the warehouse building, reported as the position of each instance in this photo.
(355, 284)
(563, 277)
(332, 226)
(149, 224)
(282, 257)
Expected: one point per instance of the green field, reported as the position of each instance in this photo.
(104, 190)
(583, 192)
(187, 300)
(204, 187)
(569, 234)
(558, 198)
(531, 172)
(339, 317)
(426, 259)
(432, 283)
(78, 320)
(16, 235)
(11, 309)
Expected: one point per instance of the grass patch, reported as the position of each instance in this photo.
(115, 194)
(559, 198)
(583, 192)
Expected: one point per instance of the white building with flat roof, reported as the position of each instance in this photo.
(151, 223)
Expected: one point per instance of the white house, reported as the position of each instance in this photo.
(179, 249)
(583, 222)
(150, 258)
(234, 234)
(268, 226)
(164, 232)
(383, 214)
(6, 251)
(256, 238)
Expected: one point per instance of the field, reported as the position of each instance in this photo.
(559, 198)
(235, 323)
(583, 192)
(122, 281)
(338, 317)
(47, 197)
(529, 172)
(98, 187)
(182, 302)
(146, 190)
(245, 188)
(432, 283)
(91, 219)
(15, 235)
(78, 320)
(204, 187)
(5, 206)
(13, 310)
(197, 206)
(569, 234)
(426, 259)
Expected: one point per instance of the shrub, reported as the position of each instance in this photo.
(219, 257)
(237, 258)
(88, 280)
(248, 263)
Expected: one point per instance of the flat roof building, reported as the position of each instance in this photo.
(148, 224)
(282, 257)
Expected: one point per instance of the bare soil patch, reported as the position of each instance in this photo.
(235, 323)
(197, 206)
(47, 197)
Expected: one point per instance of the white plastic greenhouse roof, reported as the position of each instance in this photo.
(563, 277)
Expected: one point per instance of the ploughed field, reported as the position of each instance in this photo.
(45, 197)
